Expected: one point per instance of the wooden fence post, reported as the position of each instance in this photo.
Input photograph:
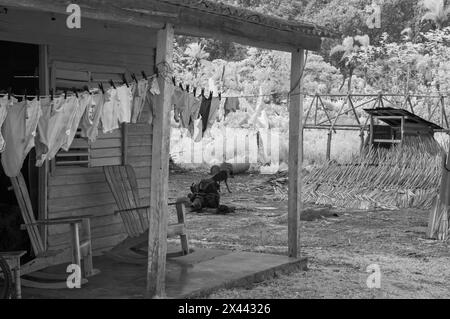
(361, 136)
(328, 155)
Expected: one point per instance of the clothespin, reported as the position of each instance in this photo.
(51, 94)
(210, 95)
(144, 75)
(100, 86)
(75, 91)
(174, 81)
(181, 87)
(112, 84)
(125, 80)
(195, 91)
(133, 76)
(65, 94)
(38, 95)
(220, 96)
(187, 88)
(203, 92)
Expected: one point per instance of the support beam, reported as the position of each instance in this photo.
(329, 139)
(295, 152)
(157, 240)
(44, 89)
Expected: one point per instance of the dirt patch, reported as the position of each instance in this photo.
(339, 248)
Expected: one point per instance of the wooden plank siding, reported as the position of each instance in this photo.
(76, 190)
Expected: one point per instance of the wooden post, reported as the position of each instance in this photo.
(295, 152)
(372, 130)
(76, 254)
(157, 239)
(438, 220)
(44, 85)
(330, 136)
(181, 214)
(361, 136)
(444, 113)
(402, 130)
(88, 266)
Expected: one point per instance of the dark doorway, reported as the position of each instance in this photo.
(20, 73)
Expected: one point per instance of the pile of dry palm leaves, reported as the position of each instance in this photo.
(405, 176)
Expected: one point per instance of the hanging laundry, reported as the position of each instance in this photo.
(151, 97)
(125, 98)
(109, 118)
(154, 86)
(139, 95)
(80, 107)
(197, 134)
(32, 116)
(16, 141)
(54, 127)
(231, 105)
(214, 110)
(19, 140)
(5, 103)
(180, 104)
(3, 113)
(193, 109)
(205, 109)
(91, 119)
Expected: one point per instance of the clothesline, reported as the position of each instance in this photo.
(242, 96)
(49, 125)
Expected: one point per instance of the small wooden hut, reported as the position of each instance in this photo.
(118, 38)
(397, 125)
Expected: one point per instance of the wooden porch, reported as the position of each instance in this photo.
(154, 23)
(193, 276)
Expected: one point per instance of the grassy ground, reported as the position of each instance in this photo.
(339, 249)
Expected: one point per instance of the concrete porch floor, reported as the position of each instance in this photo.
(193, 276)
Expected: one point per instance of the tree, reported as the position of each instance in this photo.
(196, 54)
(348, 61)
(436, 12)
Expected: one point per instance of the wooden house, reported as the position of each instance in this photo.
(389, 126)
(117, 38)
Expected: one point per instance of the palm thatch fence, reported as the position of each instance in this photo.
(413, 174)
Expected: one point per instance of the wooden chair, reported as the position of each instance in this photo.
(45, 258)
(123, 184)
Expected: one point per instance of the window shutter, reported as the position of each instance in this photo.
(107, 150)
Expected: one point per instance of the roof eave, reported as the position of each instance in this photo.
(268, 33)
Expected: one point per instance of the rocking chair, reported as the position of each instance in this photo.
(123, 184)
(45, 258)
